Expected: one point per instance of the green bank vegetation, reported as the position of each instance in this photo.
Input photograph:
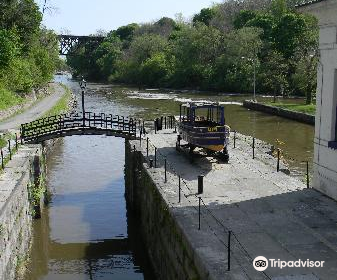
(216, 50)
(302, 108)
(28, 51)
(8, 98)
(4, 139)
(62, 106)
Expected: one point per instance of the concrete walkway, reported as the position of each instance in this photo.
(34, 112)
(270, 214)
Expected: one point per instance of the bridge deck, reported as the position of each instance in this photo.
(77, 124)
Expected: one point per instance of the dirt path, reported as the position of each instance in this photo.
(36, 111)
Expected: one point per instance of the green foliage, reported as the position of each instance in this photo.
(62, 106)
(288, 33)
(243, 17)
(125, 33)
(163, 27)
(23, 16)
(155, 70)
(28, 53)
(305, 77)
(107, 54)
(273, 76)
(205, 16)
(235, 67)
(8, 47)
(8, 98)
(220, 48)
(308, 109)
(265, 22)
(194, 51)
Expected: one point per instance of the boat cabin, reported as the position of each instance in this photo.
(203, 125)
(202, 114)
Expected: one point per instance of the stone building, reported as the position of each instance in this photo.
(325, 158)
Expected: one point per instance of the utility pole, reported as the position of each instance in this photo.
(254, 62)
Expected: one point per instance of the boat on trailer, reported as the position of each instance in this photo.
(203, 125)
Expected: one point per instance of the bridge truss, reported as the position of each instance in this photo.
(69, 43)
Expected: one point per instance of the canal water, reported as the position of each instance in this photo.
(87, 231)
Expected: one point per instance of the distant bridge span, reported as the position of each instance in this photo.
(76, 124)
(69, 43)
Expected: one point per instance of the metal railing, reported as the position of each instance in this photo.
(62, 123)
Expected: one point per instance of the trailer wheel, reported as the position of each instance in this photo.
(192, 147)
(225, 154)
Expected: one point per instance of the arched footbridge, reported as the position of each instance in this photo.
(79, 124)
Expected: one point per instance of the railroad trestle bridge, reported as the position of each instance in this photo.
(88, 123)
(69, 43)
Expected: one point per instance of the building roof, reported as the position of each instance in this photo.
(308, 2)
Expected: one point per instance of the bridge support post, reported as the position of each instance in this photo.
(2, 160)
(140, 138)
(9, 150)
(155, 157)
(83, 108)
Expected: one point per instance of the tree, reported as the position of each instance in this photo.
(143, 47)
(205, 16)
(9, 47)
(266, 23)
(194, 50)
(163, 27)
(273, 75)
(243, 17)
(125, 33)
(227, 11)
(234, 67)
(305, 76)
(279, 8)
(106, 56)
(155, 70)
(288, 33)
(23, 16)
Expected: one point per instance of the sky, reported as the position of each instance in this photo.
(84, 17)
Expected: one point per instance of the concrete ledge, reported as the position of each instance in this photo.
(292, 115)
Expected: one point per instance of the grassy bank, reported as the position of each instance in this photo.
(9, 99)
(307, 109)
(4, 139)
(62, 106)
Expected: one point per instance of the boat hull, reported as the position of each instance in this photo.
(210, 138)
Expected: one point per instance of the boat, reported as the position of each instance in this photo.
(203, 125)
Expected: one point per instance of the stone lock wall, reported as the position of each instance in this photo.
(171, 255)
(16, 212)
(292, 115)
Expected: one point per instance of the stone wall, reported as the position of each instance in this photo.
(170, 253)
(16, 212)
(296, 116)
